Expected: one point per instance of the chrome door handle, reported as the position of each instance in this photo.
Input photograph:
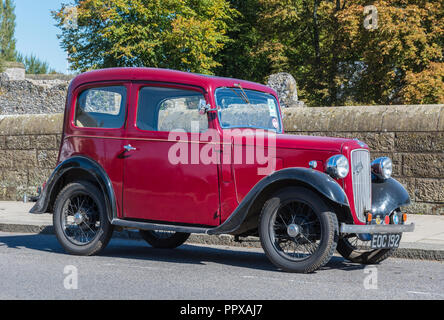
(129, 148)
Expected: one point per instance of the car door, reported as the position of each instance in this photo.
(97, 128)
(163, 182)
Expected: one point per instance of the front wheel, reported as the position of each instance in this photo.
(298, 230)
(164, 239)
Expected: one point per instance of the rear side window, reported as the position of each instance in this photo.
(102, 107)
(169, 109)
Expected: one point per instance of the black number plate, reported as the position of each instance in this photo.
(385, 241)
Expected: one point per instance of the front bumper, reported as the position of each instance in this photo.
(377, 228)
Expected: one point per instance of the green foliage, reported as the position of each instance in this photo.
(34, 65)
(322, 43)
(239, 58)
(7, 28)
(178, 34)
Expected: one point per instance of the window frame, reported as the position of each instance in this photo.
(281, 126)
(79, 90)
(186, 87)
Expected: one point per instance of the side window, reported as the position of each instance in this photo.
(102, 107)
(168, 109)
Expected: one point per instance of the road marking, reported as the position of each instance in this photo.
(426, 293)
(268, 278)
(132, 266)
(419, 292)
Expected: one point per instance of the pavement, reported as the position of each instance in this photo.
(425, 243)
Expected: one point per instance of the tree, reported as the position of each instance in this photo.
(403, 57)
(34, 65)
(178, 34)
(7, 29)
(240, 58)
(335, 59)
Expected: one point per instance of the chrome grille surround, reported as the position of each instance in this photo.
(362, 182)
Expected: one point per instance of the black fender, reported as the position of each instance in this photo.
(319, 181)
(388, 195)
(75, 163)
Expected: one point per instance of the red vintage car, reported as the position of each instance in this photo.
(172, 153)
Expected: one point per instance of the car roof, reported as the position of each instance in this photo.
(208, 83)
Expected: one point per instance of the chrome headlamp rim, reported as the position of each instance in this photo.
(337, 166)
(382, 167)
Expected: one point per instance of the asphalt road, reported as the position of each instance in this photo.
(32, 267)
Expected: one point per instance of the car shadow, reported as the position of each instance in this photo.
(187, 253)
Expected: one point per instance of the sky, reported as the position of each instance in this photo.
(36, 33)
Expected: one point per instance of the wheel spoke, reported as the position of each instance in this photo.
(305, 221)
(83, 211)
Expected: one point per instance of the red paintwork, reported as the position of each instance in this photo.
(148, 187)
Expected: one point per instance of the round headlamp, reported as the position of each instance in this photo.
(382, 167)
(337, 166)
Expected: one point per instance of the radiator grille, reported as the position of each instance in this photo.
(361, 176)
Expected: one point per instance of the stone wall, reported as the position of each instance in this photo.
(28, 96)
(29, 147)
(413, 136)
(22, 93)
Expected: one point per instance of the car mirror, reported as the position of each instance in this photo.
(204, 107)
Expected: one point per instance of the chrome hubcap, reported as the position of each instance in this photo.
(293, 230)
(79, 218)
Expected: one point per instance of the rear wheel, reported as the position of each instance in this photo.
(80, 220)
(298, 230)
(164, 239)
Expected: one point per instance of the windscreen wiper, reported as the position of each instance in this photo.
(243, 92)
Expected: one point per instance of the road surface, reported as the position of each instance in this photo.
(35, 267)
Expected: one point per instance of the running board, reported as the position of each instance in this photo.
(154, 226)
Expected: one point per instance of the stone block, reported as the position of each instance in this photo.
(41, 142)
(6, 159)
(14, 178)
(429, 190)
(32, 124)
(423, 165)
(419, 142)
(305, 120)
(23, 159)
(17, 143)
(411, 118)
(47, 158)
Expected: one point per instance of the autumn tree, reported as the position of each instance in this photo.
(177, 34)
(402, 59)
(336, 60)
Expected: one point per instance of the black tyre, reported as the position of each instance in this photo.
(298, 230)
(357, 251)
(164, 239)
(80, 219)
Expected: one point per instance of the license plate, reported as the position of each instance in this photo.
(385, 241)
